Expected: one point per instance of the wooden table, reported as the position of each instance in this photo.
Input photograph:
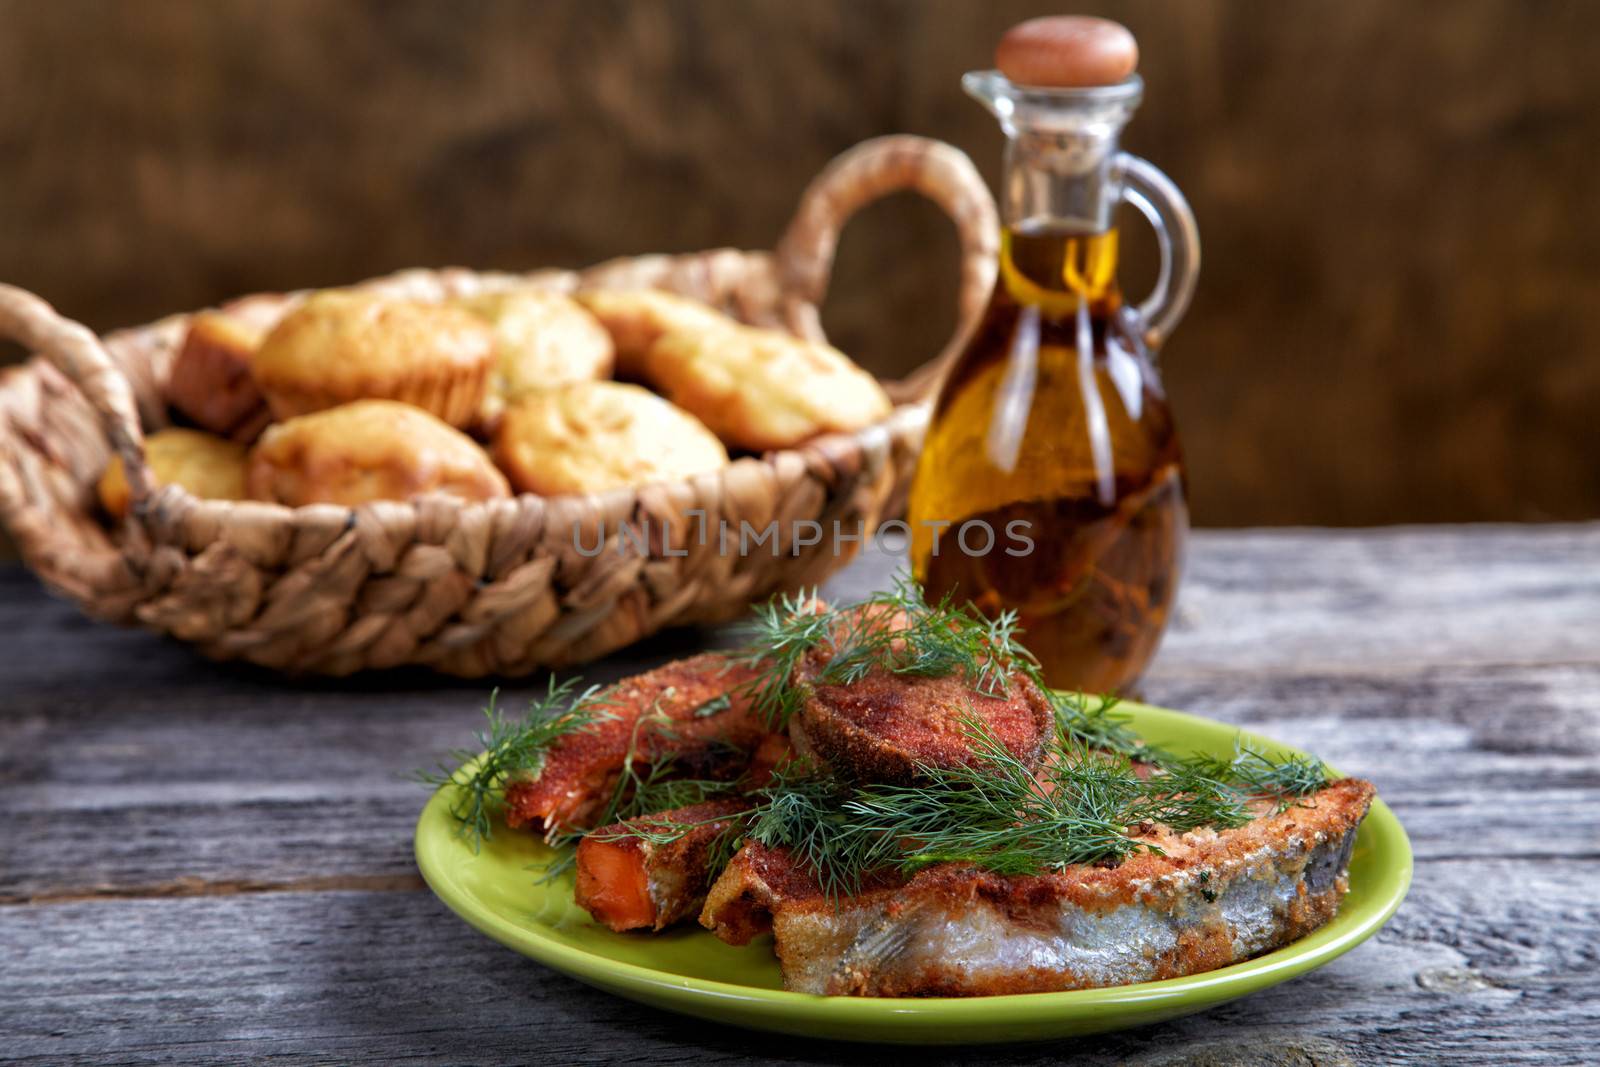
(203, 863)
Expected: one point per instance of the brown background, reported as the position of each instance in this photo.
(1399, 313)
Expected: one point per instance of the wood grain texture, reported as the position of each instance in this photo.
(394, 978)
(1397, 298)
(203, 863)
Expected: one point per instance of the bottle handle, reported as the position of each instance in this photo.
(1158, 200)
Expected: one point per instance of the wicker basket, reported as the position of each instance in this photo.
(464, 588)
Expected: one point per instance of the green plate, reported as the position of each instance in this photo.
(688, 970)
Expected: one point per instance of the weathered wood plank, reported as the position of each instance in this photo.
(1308, 601)
(1485, 964)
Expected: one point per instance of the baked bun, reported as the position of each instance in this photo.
(368, 450)
(340, 346)
(211, 381)
(542, 339)
(762, 389)
(637, 318)
(589, 437)
(206, 465)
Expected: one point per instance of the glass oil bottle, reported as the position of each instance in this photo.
(1051, 481)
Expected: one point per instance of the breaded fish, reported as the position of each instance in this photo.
(628, 882)
(1211, 898)
(883, 727)
(692, 709)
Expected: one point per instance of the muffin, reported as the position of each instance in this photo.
(202, 463)
(542, 339)
(637, 318)
(761, 389)
(592, 436)
(340, 346)
(211, 382)
(365, 451)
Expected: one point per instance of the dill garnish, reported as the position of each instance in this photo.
(514, 748)
(783, 631)
(1095, 723)
(1078, 807)
(897, 631)
(1256, 775)
(510, 747)
(1082, 806)
(996, 813)
(993, 815)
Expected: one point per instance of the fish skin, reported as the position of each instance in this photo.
(581, 768)
(1214, 898)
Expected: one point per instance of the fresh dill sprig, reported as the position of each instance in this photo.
(993, 814)
(1094, 722)
(1081, 806)
(1255, 775)
(1000, 815)
(783, 631)
(897, 631)
(805, 813)
(1183, 798)
(510, 747)
(1247, 774)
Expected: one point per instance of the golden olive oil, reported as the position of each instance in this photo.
(1052, 431)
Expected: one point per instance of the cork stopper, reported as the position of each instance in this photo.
(1067, 52)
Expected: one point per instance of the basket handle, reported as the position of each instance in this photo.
(77, 353)
(867, 172)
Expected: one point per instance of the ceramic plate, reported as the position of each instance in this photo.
(688, 970)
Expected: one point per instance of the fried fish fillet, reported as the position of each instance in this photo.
(1211, 898)
(885, 727)
(692, 709)
(628, 882)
